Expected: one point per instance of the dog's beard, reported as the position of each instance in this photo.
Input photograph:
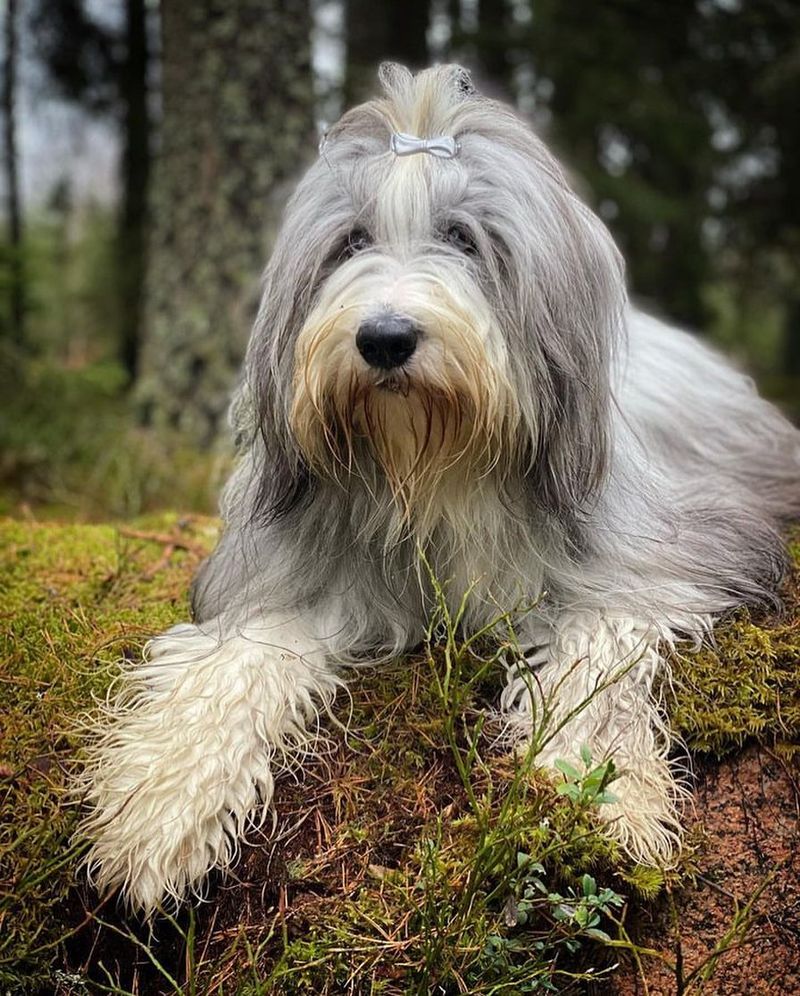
(422, 435)
(414, 435)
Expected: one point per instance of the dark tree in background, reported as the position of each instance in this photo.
(756, 80)
(491, 47)
(135, 174)
(378, 31)
(622, 84)
(16, 276)
(681, 122)
(236, 121)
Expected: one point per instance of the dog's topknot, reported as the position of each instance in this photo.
(422, 103)
(395, 78)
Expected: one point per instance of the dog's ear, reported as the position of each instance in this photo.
(278, 479)
(571, 312)
(569, 457)
(267, 482)
(283, 479)
(260, 412)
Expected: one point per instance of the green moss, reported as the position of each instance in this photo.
(73, 599)
(745, 684)
(645, 882)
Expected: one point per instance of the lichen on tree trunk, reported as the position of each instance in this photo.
(236, 122)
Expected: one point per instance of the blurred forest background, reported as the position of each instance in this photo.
(147, 149)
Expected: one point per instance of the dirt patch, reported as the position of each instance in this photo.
(747, 808)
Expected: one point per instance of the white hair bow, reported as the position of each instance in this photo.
(442, 146)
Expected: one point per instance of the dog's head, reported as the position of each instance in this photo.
(439, 306)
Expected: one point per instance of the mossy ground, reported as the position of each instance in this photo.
(746, 683)
(73, 599)
(413, 857)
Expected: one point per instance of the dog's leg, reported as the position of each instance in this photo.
(594, 684)
(183, 757)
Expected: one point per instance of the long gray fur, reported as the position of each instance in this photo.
(648, 474)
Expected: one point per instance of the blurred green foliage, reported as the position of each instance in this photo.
(69, 440)
(72, 306)
(73, 449)
(681, 121)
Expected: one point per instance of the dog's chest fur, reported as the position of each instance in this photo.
(472, 541)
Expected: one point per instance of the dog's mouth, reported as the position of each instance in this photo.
(394, 382)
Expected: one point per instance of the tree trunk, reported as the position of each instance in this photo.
(16, 317)
(394, 30)
(493, 45)
(133, 87)
(237, 118)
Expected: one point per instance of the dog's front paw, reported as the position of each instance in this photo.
(638, 806)
(645, 819)
(592, 688)
(182, 757)
(158, 839)
(179, 762)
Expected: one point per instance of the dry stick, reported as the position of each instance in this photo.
(161, 563)
(170, 544)
(165, 539)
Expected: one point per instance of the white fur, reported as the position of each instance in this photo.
(186, 754)
(593, 684)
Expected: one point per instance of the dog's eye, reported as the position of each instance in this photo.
(357, 241)
(460, 238)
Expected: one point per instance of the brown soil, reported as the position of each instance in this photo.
(747, 809)
(745, 814)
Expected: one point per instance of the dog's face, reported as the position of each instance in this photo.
(401, 359)
(438, 319)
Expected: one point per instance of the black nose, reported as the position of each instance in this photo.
(387, 341)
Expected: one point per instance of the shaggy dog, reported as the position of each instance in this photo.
(444, 369)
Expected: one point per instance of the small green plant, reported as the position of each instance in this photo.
(582, 911)
(590, 786)
(579, 909)
(573, 919)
